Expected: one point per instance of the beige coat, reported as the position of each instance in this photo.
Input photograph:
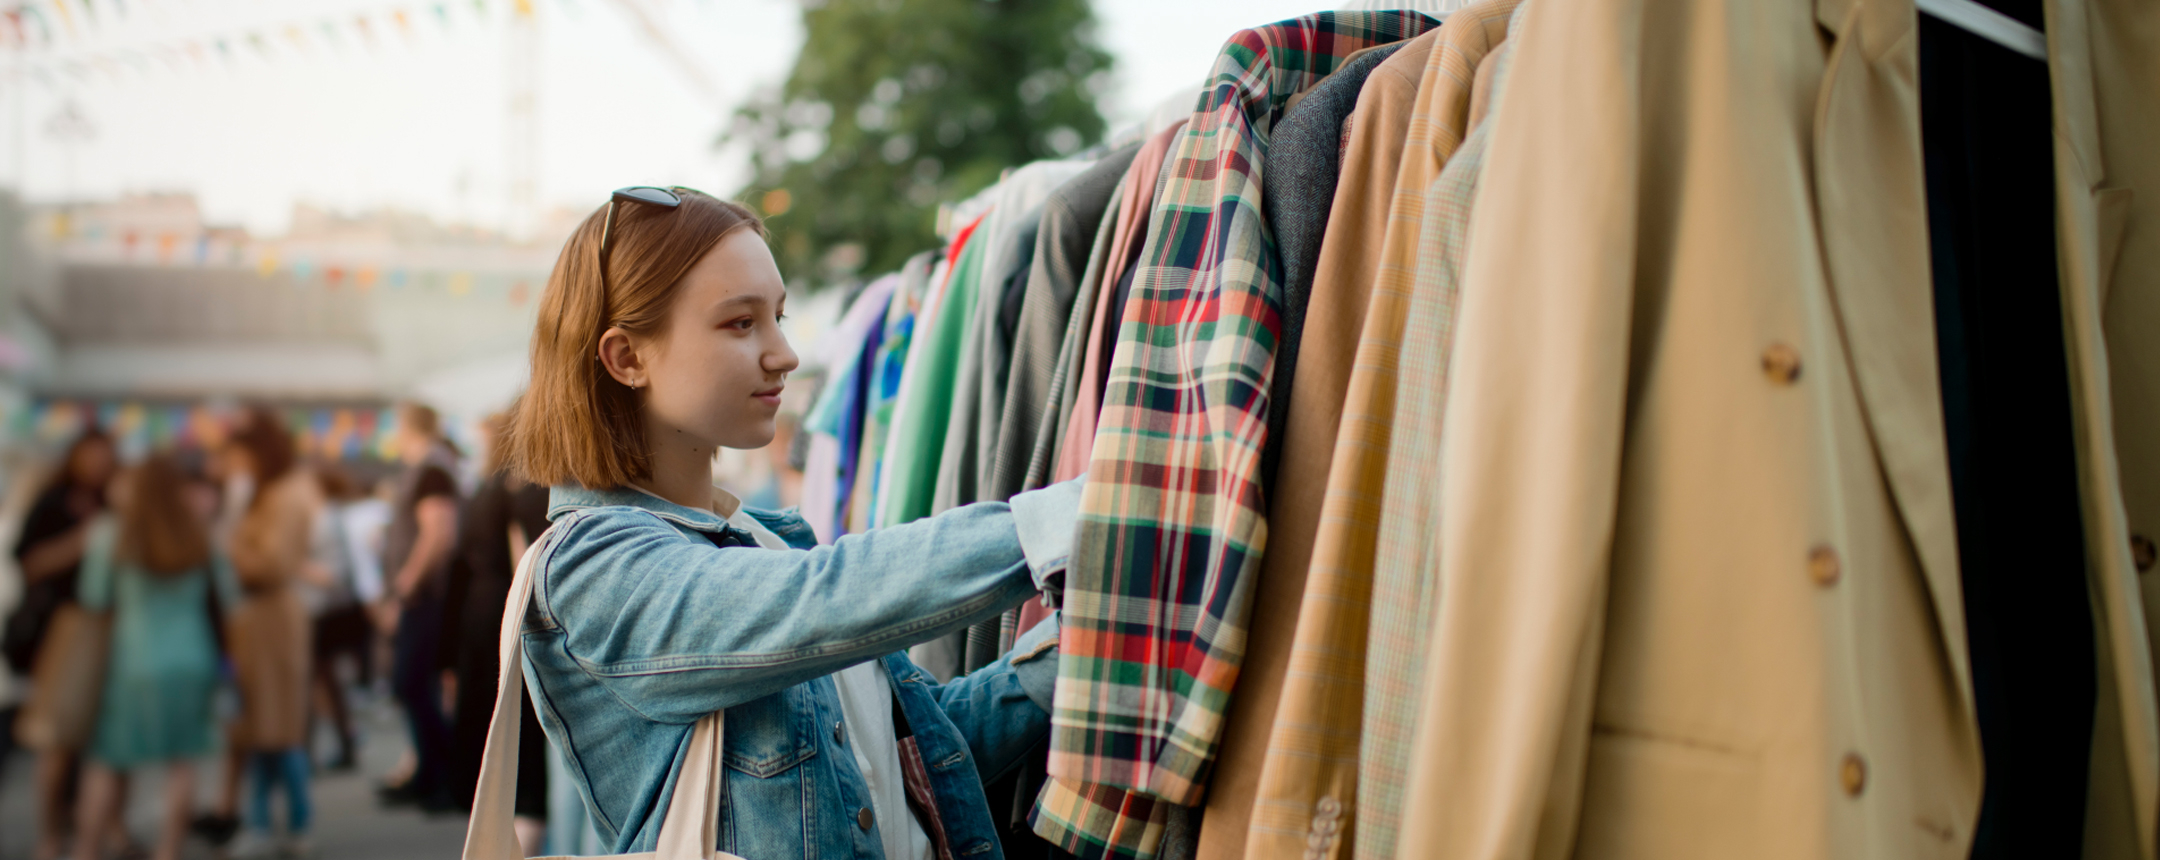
(1693, 604)
(269, 631)
(1342, 282)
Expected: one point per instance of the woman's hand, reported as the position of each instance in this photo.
(317, 574)
(385, 613)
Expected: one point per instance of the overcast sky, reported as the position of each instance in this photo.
(414, 117)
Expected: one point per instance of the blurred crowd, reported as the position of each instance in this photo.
(219, 609)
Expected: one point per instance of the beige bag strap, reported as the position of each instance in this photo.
(690, 827)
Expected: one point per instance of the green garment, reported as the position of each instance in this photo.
(907, 480)
(162, 670)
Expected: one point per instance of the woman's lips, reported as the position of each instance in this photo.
(771, 396)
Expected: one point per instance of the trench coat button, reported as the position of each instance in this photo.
(862, 819)
(839, 736)
(1823, 565)
(1852, 774)
(2143, 553)
(1781, 363)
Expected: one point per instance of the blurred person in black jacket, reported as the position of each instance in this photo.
(49, 553)
(504, 515)
(418, 546)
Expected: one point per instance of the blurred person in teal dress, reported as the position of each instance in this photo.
(152, 567)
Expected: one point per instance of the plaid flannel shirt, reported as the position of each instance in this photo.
(1172, 520)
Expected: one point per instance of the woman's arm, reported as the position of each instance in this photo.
(678, 629)
(95, 589)
(225, 582)
(54, 554)
(437, 517)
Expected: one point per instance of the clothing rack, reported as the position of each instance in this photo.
(1970, 16)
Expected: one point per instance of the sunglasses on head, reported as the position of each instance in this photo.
(634, 194)
(648, 194)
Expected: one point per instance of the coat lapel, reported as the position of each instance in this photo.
(1872, 203)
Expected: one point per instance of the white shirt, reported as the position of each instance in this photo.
(866, 701)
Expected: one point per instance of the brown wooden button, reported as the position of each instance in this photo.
(1823, 566)
(863, 819)
(1781, 363)
(2143, 553)
(1852, 774)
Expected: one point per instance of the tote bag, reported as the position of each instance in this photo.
(691, 824)
(67, 681)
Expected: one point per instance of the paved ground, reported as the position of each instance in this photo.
(348, 823)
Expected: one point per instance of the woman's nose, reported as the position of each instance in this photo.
(782, 360)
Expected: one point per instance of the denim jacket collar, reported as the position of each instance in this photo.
(565, 498)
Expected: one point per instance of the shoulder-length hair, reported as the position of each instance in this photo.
(158, 528)
(575, 423)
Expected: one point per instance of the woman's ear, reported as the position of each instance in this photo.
(621, 358)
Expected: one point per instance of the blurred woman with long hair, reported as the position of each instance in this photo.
(152, 566)
(269, 630)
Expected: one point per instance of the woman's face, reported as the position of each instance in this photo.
(92, 464)
(713, 376)
(239, 462)
(120, 491)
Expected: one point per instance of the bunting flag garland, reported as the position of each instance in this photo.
(28, 24)
(331, 433)
(209, 250)
(67, 19)
(52, 50)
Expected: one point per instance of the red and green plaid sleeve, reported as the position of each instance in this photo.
(1172, 526)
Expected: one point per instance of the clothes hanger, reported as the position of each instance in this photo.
(1970, 16)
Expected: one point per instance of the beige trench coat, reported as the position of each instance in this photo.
(269, 631)
(1699, 576)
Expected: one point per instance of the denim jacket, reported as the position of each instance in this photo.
(648, 615)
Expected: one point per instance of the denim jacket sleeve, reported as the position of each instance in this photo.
(677, 628)
(1002, 710)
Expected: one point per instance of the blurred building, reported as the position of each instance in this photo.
(138, 314)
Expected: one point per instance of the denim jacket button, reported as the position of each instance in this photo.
(862, 819)
(839, 736)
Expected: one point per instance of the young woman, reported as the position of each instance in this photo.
(152, 567)
(660, 599)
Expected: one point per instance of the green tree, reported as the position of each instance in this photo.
(897, 106)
